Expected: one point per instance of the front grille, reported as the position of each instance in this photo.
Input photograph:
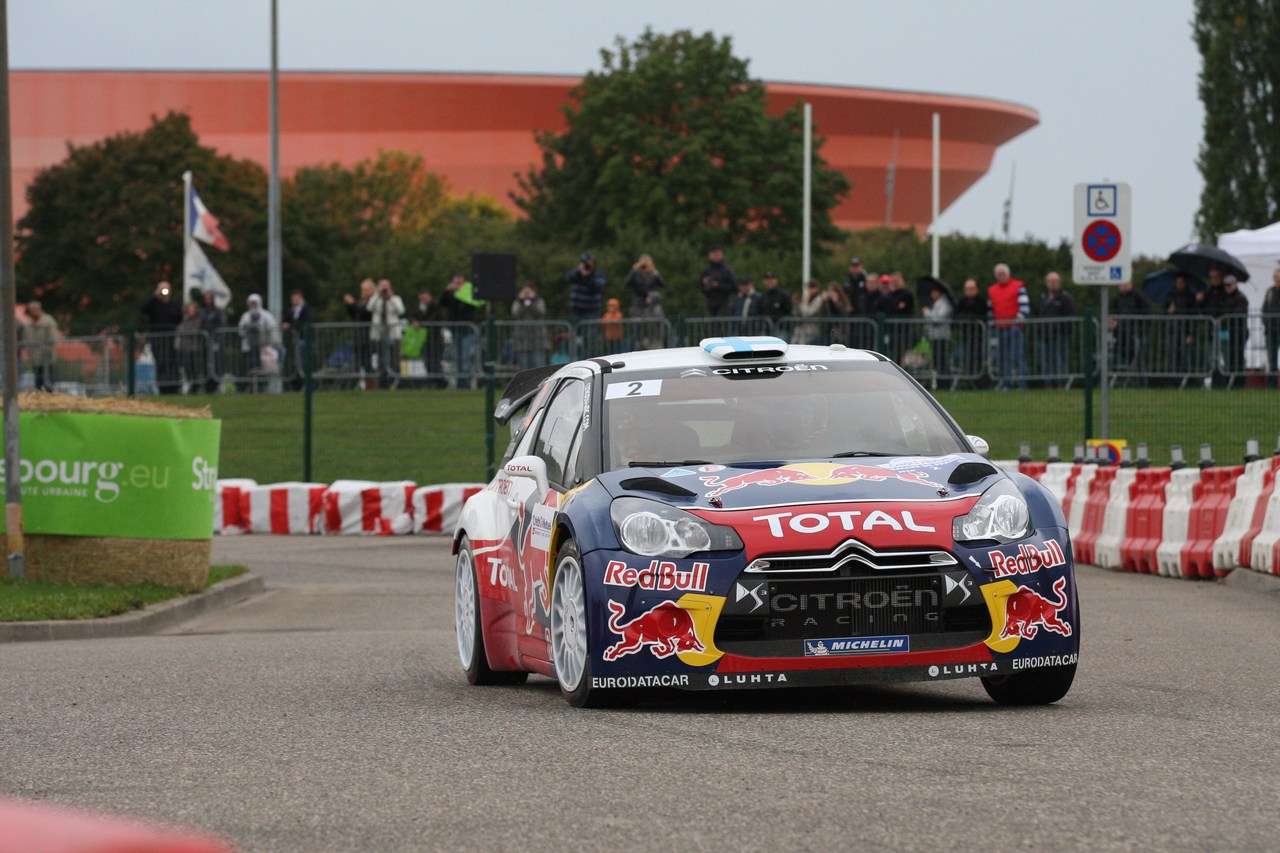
(772, 615)
(852, 557)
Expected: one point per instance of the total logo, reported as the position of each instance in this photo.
(1029, 559)
(851, 520)
(660, 576)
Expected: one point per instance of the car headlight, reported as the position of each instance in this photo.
(1000, 514)
(657, 530)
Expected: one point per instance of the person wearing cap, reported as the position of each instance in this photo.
(718, 283)
(1233, 328)
(774, 302)
(164, 313)
(855, 287)
(747, 303)
(1271, 327)
(259, 336)
(586, 288)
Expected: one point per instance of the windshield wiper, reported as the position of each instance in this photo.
(639, 464)
(849, 453)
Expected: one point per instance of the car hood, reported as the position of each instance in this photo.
(905, 478)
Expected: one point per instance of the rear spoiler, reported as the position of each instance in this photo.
(521, 389)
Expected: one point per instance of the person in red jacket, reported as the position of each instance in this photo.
(1009, 307)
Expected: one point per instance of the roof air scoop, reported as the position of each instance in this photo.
(746, 347)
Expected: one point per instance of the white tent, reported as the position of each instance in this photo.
(1259, 251)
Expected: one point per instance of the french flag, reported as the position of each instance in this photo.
(204, 225)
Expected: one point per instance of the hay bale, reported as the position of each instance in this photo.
(102, 560)
(105, 560)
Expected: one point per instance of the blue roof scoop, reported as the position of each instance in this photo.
(746, 347)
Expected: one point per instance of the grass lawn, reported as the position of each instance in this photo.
(28, 600)
(438, 436)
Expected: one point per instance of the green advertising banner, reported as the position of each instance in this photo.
(117, 475)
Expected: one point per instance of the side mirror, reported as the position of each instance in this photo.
(531, 467)
(979, 445)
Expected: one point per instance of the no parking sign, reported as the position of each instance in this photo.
(1100, 252)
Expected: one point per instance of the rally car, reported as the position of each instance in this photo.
(748, 514)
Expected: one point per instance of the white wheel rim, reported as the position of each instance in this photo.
(464, 608)
(569, 624)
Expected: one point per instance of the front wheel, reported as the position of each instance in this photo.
(466, 620)
(1034, 687)
(570, 636)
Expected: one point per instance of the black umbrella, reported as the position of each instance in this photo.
(926, 283)
(1198, 260)
(1157, 285)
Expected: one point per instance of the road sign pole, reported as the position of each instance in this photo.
(1104, 397)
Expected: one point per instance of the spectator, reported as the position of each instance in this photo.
(190, 346)
(297, 318)
(612, 326)
(938, 313)
(900, 308)
(38, 336)
(163, 316)
(1009, 307)
(427, 312)
(386, 311)
(586, 288)
(971, 315)
(529, 338)
(718, 283)
(1271, 328)
(1055, 308)
(212, 321)
(855, 287)
(258, 339)
(774, 303)
(811, 305)
(747, 303)
(1180, 303)
(460, 307)
(643, 281)
(358, 310)
(1233, 328)
(1128, 325)
(413, 342)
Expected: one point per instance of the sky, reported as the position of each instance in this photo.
(1115, 84)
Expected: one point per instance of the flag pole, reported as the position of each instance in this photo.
(8, 325)
(186, 237)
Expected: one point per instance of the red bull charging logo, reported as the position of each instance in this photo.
(1027, 611)
(813, 473)
(666, 628)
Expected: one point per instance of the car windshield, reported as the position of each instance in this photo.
(744, 414)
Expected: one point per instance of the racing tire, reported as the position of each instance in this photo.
(466, 619)
(570, 636)
(1034, 687)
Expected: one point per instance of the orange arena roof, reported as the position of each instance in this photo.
(477, 129)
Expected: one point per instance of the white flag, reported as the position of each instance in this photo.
(201, 275)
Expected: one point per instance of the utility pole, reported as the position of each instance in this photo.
(8, 325)
(275, 275)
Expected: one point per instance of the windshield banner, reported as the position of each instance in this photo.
(122, 476)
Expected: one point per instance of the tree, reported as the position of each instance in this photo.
(1239, 44)
(104, 225)
(672, 136)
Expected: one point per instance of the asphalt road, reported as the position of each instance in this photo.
(330, 714)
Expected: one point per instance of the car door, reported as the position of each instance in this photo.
(556, 443)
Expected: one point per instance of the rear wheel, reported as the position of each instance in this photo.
(466, 619)
(1033, 687)
(570, 636)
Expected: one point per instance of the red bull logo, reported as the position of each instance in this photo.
(661, 576)
(1027, 611)
(1028, 559)
(814, 473)
(666, 628)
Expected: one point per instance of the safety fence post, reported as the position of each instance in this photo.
(131, 360)
(308, 387)
(490, 380)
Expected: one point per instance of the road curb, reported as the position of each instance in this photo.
(1251, 580)
(140, 622)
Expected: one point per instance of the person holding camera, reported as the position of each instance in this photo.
(386, 313)
(643, 281)
(586, 289)
(164, 313)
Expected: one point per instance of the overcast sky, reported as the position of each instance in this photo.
(1114, 83)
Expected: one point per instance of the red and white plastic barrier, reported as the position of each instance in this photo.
(1145, 520)
(291, 508)
(1093, 514)
(1207, 519)
(366, 508)
(436, 508)
(1177, 507)
(1115, 520)
(228, 498)
(1240, 513)
(1078, 497)
(1265, 548)
(42, 828)
(1056, 477)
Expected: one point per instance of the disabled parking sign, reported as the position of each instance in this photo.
(1100, 251)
